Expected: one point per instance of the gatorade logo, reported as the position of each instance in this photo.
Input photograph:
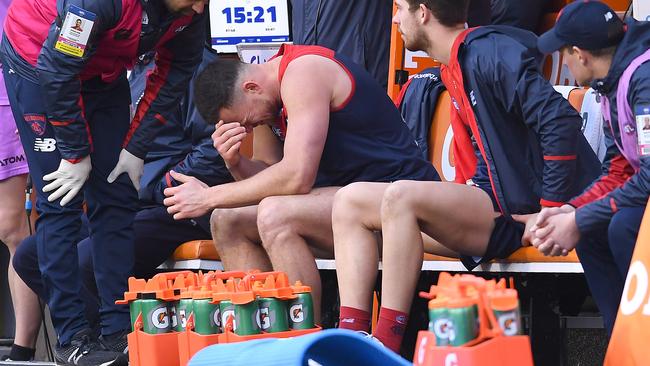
(508, 323)
(172, 311)
(444, 329)
(160, 318)
(296, 313)
(265, 319)
(256, 316)
(216, 317)
(224, 318)
(183, 317)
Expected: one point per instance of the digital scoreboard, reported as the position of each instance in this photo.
(247, 21)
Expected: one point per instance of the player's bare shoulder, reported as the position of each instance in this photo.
(314, 71)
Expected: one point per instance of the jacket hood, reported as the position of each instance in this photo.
(526, 38)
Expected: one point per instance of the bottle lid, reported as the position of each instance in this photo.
(438, 303)
(504, 299)
(299, 288)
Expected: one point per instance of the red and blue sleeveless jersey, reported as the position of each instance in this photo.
(367, 139)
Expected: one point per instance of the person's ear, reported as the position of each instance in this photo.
(583, 57)
(251, 86)
(424, 14)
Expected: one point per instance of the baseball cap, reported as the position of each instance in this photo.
(589, 25)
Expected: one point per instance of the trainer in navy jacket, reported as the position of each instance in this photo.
(604, 220)
(71, 100)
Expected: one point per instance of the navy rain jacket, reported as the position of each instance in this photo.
(184, 143)
(543, 161)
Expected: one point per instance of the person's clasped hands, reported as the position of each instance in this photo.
(555, 231)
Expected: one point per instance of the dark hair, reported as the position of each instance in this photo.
(608, 51)
(448, 12)
(214, 87)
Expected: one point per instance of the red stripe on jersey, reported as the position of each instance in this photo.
(547, 203)
(560, 157)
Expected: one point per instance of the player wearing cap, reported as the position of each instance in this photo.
(603, 222)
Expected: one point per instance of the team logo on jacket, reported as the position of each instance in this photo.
(36, 122)
(44, 145)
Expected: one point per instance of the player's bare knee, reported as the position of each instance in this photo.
(12, 229)
(278, 239)
(224, 222)
(397, 198)
(276, 221)
(347, 202)
(272, 215)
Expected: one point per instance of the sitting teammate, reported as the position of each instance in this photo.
(517, 147)
(604, 220)
(342, 128)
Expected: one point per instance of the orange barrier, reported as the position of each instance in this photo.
(632, 328)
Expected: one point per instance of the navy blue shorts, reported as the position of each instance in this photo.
(504, 240)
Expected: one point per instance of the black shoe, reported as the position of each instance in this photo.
(116, 342)
(19, 353)
(83, 350)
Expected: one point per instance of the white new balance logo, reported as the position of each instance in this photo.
(74, 358)
(44, 145)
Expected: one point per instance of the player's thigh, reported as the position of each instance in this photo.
(432, 246)
(453, 214)
(308, 215)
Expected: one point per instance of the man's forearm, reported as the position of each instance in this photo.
(277, 180)
(246, 168)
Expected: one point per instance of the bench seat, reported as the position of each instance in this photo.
(201, 254)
